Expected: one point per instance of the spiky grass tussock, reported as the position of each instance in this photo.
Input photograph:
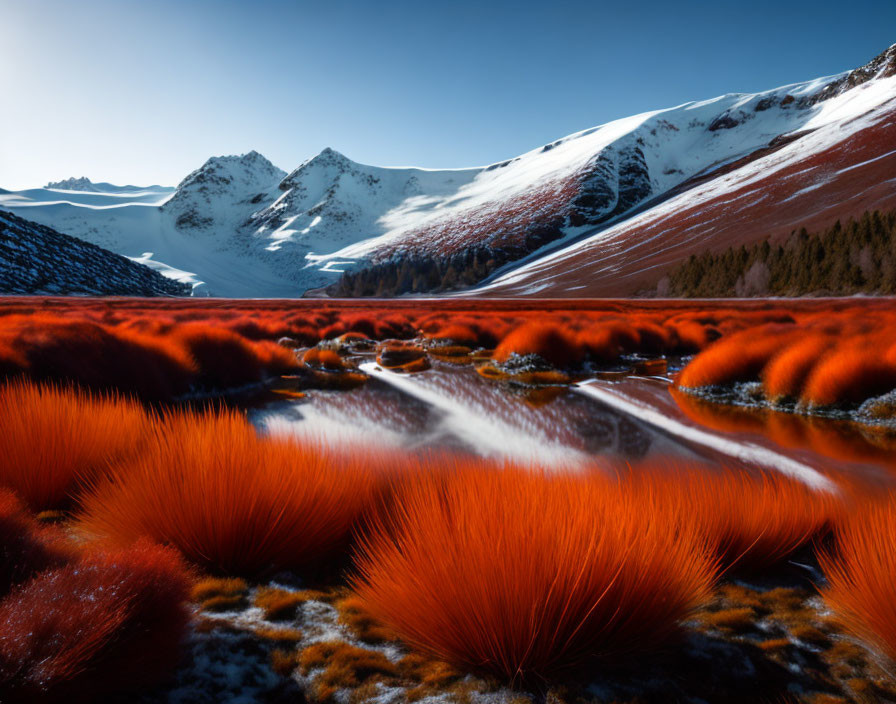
(54, 439)
(785, 375)
(752, 519)
(151, 358)
(226, 359)
(523, 575)
(861, 574)
(232, 501)
(327, 359)
(852, 372)
(111, 621)
(737, 357)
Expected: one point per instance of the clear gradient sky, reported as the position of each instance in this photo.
(143, 92)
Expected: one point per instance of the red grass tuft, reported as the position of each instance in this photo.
(255, 329)
(328, 359)
(690, 336)
(523, 575)
(653, 338)
(101, 358)
(225, 359)
(551, 342)
(786, 374)
(275, 359)
(851, 373)
(350, 322)
(230, 500)
(753, 520)
(110, 623)
(738, 357)
(861, 575)
(600, 343)
(53, 440)
(459, 334)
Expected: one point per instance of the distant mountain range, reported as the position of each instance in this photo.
(603, 212)
(84, 184)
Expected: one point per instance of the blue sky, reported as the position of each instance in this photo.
(143, 92)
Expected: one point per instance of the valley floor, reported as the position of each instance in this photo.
(280, 447)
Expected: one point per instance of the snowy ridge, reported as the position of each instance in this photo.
(85, 185)
(818, 167)
(240, 226)
(204, 250)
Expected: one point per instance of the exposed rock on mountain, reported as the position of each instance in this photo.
(72, 184)
(85, 185)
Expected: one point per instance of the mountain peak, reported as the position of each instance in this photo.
(71, 184)
(223, 170)
(251, 160)
(329, 156)
(219, 188)
(328, 159)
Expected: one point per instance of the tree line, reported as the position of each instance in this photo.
(421, 273)
(858, 257)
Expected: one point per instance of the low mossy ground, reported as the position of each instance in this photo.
(762, 638)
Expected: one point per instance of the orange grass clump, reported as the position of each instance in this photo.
(786, 374)
(109, 623)
(550, 342)
(600, 343)
(522, 575)
(861, 575)
(851, 373)
(98, 357)
(54, 439)
(230, 500)
(327, 359)
(752, 519)
(737, 357)
(458, 334)
(225, 358)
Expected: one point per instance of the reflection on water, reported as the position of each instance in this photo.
(862, 453)
(451, 406)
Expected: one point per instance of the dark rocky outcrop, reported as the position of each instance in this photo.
(881, 66)
(38, 260)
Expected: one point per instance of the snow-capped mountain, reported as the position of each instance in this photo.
(223, 193)
(605, 211)
(834, 157)
(329, 203)
(85, 185)
(38, 260)
(203, 250)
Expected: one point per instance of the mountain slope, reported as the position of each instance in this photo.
(605, 211)
(840, 162)
(37, 260)
(203, 250)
